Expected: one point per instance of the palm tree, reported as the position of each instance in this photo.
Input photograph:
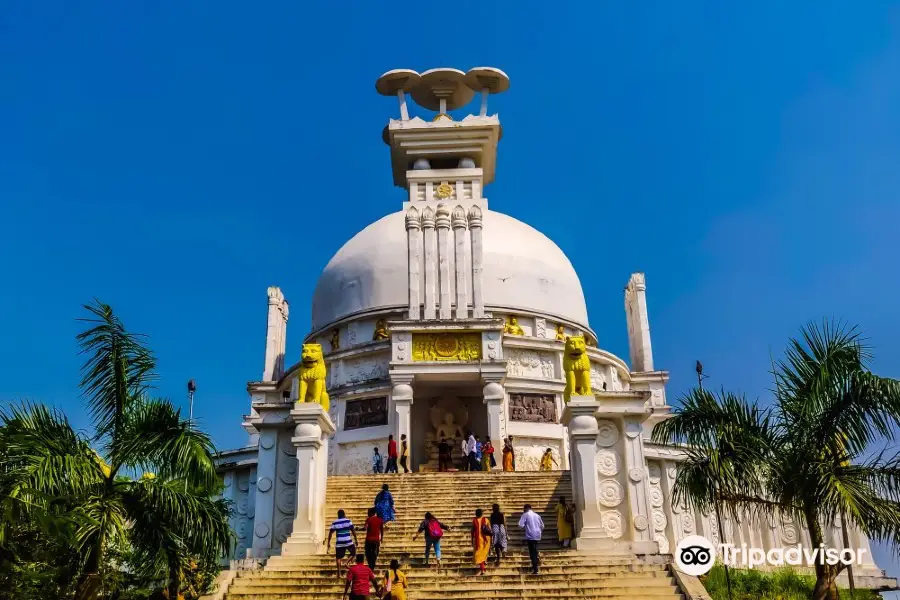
(811, 455)
(167, 514)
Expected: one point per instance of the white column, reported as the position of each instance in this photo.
(311, 433)
(580, 419)
(638, 493)
(494, 395)
(638, 324)
(275, 325)
(402, 399)
(413, 235)
(263, 520)
(442, 222)
(430, 263)
(459, 242)
(477, 262)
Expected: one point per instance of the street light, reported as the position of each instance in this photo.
(192, 387)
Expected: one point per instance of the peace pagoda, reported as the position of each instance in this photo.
(446, 317)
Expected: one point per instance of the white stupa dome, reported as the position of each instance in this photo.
(524, 271)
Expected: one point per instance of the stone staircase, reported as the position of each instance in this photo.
(453, 498)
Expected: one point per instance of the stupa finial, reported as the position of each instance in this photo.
(443, 89)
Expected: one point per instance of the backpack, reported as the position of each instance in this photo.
(434, 529)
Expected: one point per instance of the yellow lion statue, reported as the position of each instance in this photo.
(312, 376)
(577, 366)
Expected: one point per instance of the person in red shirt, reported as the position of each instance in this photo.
(374, 528)
(392, 455)
(359, 577)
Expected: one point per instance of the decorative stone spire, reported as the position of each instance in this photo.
(638, 324)
(414, 243)
(276, 335)
(475, 234)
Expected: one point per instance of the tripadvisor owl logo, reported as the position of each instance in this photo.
(695, 555)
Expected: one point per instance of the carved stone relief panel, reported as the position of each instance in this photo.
(362, 370)
(533, 408)
(530, 363)
(356, 459)
(540, 327)
(366, 412)
(598, 377)
(459, 347)
(530, 450)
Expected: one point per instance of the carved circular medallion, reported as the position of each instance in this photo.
(492, 354)
(673, 472)
(640, 522)
(261, 530)
(663, 542)
(287, 500)
(242, 506)
(287, 472)
(632, 429)
(241, 529)
(227, 479)
(655, 473)
(607, 433)
(264, 484)
(283, 530)
(401, 346)
(267, 440)
(687, 524)
(401, 357)
(446, 346)
(611, 520)
(656, 497)
(607, 463)
(287, 446)
(492, 345)
(610, 493)
(444, 191)
(789, 533)
(713, 529)
(659, 520)
(635, 474)
(243, 482)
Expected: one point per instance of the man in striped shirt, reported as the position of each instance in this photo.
(346, 542)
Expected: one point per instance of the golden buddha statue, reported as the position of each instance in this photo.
(512, 327)
(335, 339)
(381, 332)
(560, 333)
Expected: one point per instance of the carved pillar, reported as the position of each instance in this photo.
(477, 262)
(494, 395)
(276, 330)
(638, 492)
(263, 521)
(677, 514)
(580, 419)
(442, 222)
(413, 240)
(430, 263)
(459, 240)
(638, 324)
(311, 433)
(402, 399)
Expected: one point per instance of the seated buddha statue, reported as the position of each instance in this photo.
(560, 333)
(512, 327)
(381, 332)
(448, 430)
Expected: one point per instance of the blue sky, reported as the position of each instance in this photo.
(175, 160)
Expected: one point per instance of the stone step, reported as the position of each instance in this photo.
(287, 563)
(504, 593)
(503, 570)
(472, 583)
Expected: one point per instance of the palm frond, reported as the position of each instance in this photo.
(118, 368)
(156, 438)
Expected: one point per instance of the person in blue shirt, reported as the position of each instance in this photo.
(377, 462)
(533, 525)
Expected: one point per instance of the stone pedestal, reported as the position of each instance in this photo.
(311, 433)
(401, 400)
(579, 416)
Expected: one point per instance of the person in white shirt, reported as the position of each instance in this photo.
(464, 449)
(533, 525)
(471, 447)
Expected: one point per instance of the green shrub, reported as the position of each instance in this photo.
(782, 584)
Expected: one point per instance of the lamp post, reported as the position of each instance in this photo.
(192, 387)
(700, 378)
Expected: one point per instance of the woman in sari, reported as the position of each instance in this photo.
(487, 455)
(509, 456)
(564, 518)
(547, 461)
(481, 540)
(384, 504)
(498, 533)
(395, 582)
